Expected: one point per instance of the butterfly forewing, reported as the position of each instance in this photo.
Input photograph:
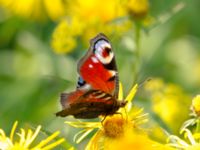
(98, 67)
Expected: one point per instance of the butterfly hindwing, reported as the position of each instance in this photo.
(90, 105)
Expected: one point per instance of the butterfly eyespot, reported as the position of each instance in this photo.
(80, 82)
(103, 52)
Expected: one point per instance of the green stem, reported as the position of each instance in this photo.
(198, 126)
(136, 65)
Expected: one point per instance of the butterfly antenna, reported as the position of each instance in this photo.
(144, 82)
(103, 120)
(126, 114)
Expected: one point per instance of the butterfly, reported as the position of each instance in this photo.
(98, 84)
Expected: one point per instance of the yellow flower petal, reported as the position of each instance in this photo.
(93, 143)
(132, 93)
(48, 139)
(84, 124)
(13, 130)
(120, 95)
(82, 134)
(26, 139)
(196, 105)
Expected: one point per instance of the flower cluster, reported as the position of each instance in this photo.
(26, 139)
(190, 130)
(39, 10)
(166, 99)
(89, 17)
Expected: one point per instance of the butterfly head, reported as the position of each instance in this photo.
(102, 49)
(123, 103)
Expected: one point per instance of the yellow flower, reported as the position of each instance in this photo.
(196, 105)
(87, 18)
(119, 119)
(64, 35)
(25, 140)
(190, 130)
(36, 9)
(118, 131)
(195, 120)
(188, 143)
(74, 29)
(166, 102)
(96, 10)
(138, 8)
(114, 126)
(134, 140)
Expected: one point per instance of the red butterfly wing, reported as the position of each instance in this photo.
(91, 104)
(97, 86)
(98, 67)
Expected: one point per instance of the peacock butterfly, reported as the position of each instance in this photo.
(98, 84)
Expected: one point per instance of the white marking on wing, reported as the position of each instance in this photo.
(102, 44)
(101, 95)
(99, 48)
(85, 87)
(94, 60)
(107, 98)
(112, 72)
(90, 66)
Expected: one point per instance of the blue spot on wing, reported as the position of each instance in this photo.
(80, 82)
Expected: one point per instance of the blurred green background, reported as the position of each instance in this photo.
(161, 43)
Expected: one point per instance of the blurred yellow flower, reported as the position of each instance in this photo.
(138, 8)
(26, 140)
(36, 9)
(63, 40)
(87, 18)
(75, 30)
(190, 130)
(166, 102)
(96, 10)
(156, 85)
(194, 121)
(188, 143)
(196, 105)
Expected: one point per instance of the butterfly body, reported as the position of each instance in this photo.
(97, 88)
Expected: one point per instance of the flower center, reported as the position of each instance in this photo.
(114, 126)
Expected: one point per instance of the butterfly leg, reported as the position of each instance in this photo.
(122, 114)
(119, 113)
(103, 120)
(126, 114)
